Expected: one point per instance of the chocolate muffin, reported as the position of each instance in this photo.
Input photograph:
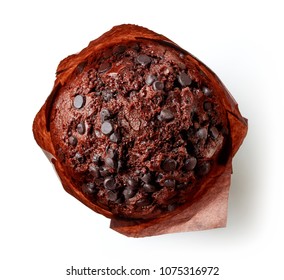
(135, 125)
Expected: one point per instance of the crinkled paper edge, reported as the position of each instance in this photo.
(206, 212)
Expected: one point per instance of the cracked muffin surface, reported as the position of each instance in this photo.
(137, 127)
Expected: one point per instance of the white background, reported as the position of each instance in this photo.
(44, 230)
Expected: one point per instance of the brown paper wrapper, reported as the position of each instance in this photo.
(209, 207)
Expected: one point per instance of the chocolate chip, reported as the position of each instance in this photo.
(79, 101)
(81, 128)
(89, 188)
(170, 183)
(169, 165)
(109, 183)
(206, 91)
(110, 162)
(105, 66)
(144, 59)
(146, 178)
(112, 196)
(80, 158)
(184, 79)
(119, 49)
(150, 79)
(149, 188)
(159, 177)
(207, 106)
(204, 168)
(128, 193)
(114, 137)
(96, 159)
(202, 133)
(73, 141)
(166, 115)
(94, 170)
(214, 132)
(157, 85)
(131, 183)
(190, 163)
(104, 171)
(106, 128)
(104, 115)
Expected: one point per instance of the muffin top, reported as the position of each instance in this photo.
(137, 126)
